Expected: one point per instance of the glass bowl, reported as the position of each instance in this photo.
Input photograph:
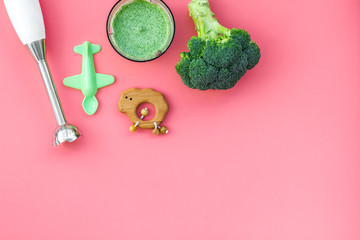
(110, 33)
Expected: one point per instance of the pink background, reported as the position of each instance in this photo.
(275, 158)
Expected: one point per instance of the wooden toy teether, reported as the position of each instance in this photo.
(130, 101)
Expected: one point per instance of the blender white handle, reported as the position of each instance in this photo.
(27, 19)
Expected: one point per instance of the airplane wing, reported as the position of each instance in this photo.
(103, 80)
(73, 81)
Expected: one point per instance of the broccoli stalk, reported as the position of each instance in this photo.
(206, 24)
(218, 57)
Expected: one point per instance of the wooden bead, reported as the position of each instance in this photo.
(144, 112)
(163, 130)
(156, 131)
(132, 128)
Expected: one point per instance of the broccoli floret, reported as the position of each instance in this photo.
(218, 57)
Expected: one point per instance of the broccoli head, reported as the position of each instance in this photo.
(218, 57)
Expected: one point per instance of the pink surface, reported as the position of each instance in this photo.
(275, 158)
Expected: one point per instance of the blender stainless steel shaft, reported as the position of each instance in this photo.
(64, 132)
(27, 19)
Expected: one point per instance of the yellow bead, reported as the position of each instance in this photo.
(163, 130)
(144, 112)
(156, 131)
(132, 128)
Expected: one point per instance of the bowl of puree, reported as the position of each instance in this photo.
(140, 30)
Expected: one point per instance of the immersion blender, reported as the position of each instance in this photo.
(27, 19)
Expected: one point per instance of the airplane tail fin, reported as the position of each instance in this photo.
(94, 48)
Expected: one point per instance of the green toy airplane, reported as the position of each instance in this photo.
(88, 81)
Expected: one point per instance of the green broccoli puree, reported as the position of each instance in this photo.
(141, 29)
